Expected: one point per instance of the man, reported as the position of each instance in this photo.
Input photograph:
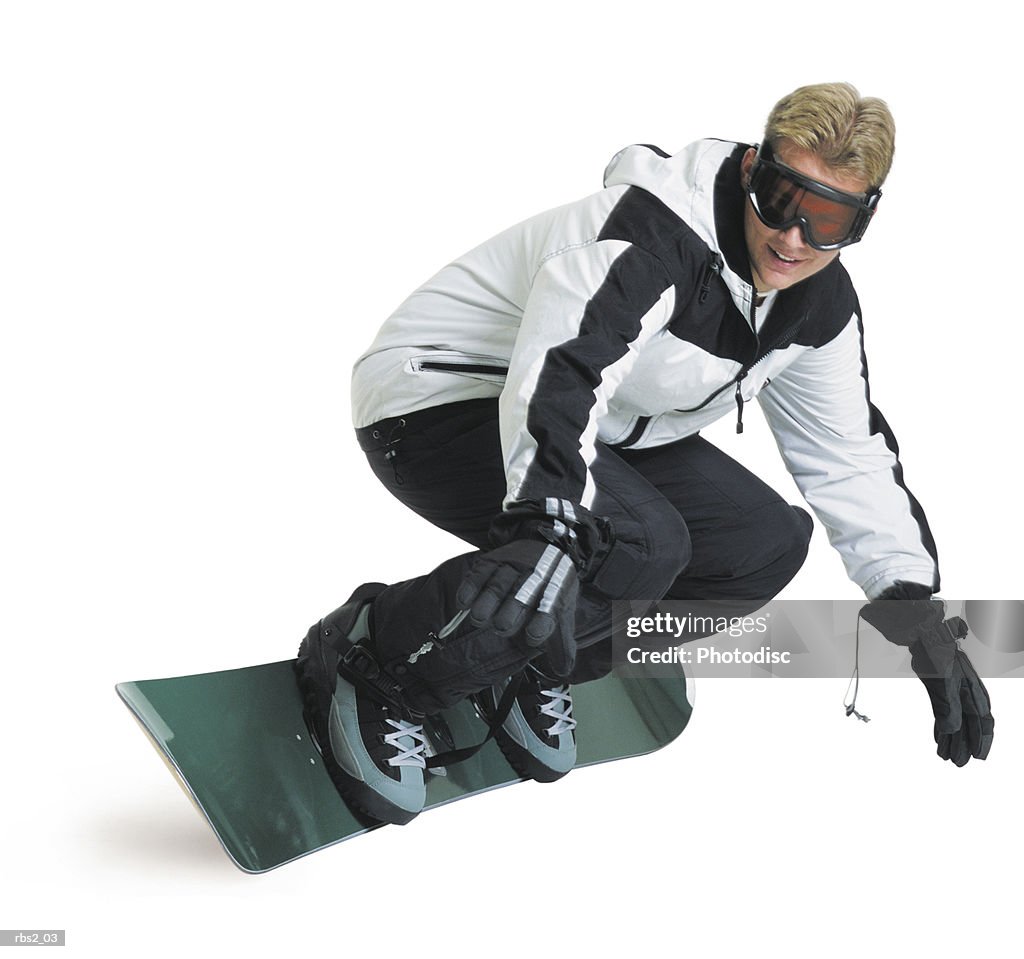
(541, 398)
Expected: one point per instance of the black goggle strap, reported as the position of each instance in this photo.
(765, 158)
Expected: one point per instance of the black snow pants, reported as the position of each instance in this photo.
(689, 523)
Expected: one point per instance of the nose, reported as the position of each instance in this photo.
(793, 237)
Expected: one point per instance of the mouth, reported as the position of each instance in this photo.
(780, 258)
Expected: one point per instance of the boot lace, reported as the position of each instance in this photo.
(410, 743)
(559, 708)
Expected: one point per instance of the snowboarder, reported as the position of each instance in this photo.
(541, 398)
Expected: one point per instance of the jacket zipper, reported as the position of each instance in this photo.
(787, 338)
(712, 270)
(739, 402)
(470, 367)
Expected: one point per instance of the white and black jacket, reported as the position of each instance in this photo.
(627, 318)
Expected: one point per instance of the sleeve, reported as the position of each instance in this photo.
(845, 460)
(589, 311)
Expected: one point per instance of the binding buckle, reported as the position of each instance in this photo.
(359, 661)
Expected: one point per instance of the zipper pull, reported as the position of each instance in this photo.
(712, 270)
(424, 649)
(437, 640)
(739, 406)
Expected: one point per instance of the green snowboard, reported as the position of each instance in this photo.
(238, 745)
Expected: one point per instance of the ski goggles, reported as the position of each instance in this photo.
(782, 198)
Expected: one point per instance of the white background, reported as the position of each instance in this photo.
(206, 210)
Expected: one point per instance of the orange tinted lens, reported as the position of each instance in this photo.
(829, 220)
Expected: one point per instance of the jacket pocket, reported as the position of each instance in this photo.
(491, 369)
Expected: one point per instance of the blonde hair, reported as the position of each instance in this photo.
(850, 133)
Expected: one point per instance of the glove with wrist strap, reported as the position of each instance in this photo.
(528, 584)
(906, 616)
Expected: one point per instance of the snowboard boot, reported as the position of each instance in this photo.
(372, 746)
(537, 736)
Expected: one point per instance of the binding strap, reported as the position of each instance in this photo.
(500, 715)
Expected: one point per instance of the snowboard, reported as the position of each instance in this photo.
(237, 742)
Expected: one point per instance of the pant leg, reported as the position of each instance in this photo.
(445, 463)
(746, 542)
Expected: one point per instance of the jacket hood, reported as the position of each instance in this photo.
(701, 185)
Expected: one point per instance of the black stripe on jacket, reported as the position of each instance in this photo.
(566, 389)
(878, 424)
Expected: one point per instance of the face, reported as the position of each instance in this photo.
(781, 258)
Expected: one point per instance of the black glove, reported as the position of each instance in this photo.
(963, 712)
(529, 583)
(527, 588)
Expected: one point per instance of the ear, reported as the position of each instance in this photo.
(746, 165)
